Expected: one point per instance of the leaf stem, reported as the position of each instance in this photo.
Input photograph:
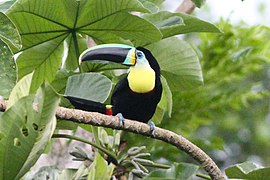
(95, 134)
(107, 152)
(203, 176)
(77, 51)
(156, 165)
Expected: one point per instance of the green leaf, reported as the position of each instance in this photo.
(157, 2)
(248, 170)
(159, 114)
(260, 174)
(44, 59)
(66, 174)
(56, 24)
(7, 69)
(89, 86)
(9, 33)
(100, 169)
(171, 24)
(149, 5)
(199, 3)
(21, 89)
(23, 141)
(45, 172)
(243, 168)
(168, 95)
(74, 42)
(179, 171)
(179, 63)
(6, 4)
(67, 125)
(136, 28)
(165, 104)
(47, 104)
(60, 81)
(9, 40)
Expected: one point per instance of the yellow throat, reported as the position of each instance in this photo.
(141, 79)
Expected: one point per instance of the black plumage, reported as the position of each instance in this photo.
(137, 106)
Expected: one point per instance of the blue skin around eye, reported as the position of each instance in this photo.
(139, 55)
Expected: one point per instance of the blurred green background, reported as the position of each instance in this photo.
(228, 117)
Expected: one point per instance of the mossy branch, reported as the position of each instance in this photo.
(97, 119)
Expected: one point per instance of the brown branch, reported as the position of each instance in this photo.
(3, 105)
(187, 6)
(97, 119)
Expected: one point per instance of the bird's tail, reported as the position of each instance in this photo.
(88, 105)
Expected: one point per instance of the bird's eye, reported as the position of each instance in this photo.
(139, 54)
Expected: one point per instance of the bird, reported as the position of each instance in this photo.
(137, 94)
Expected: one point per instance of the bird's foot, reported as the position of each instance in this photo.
(152, 127)
(121, 119)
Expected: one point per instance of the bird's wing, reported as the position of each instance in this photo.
(120, 87)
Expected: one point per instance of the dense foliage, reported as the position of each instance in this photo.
(226, 116)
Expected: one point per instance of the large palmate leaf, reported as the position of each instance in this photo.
(179, 23)
(179, 63)
(50, 25)
(24, 133)
(44, 59)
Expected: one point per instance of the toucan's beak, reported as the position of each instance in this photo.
(118, 53)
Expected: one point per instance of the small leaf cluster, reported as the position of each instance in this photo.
(248, 170)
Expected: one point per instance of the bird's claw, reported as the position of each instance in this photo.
(152, 127)
(121, 119)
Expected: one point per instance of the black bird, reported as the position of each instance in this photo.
(136, 95)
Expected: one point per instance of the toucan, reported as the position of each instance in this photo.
(135, 96)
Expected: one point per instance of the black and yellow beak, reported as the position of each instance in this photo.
(118, 53)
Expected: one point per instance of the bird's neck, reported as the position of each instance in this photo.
(141, 79)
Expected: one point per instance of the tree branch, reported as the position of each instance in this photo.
(97, 119)
(187, 6)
